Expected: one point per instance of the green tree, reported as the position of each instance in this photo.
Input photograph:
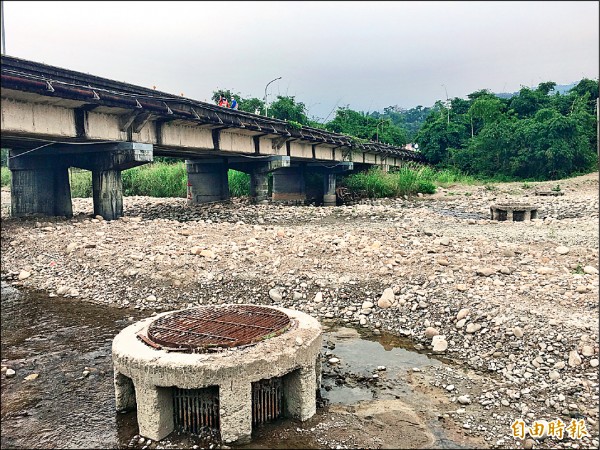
(286, 108)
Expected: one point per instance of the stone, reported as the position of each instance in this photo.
(463, 313)
(318, 297)
(486, 271)
(333, 360)
(299, 341)
(367, 305)
(554, 375)
(460, 323)
(151, 298)
(450, 387)
(296, 296)
(562, 250)
(431, 332)
(528, 444)
(440, 346)
(518, 332)
(71, 247)
(32, 376)
(461, 287)
(473, 328)
(10, 373)
(24, 274)
(590, 270)
(443, 262)
(544, 270)
(574, 358)
(464, 400)
(593, 362)
(207, 254)
(275, 295)
(587, 350)
(387, 298)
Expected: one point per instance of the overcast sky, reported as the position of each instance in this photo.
(365, 55)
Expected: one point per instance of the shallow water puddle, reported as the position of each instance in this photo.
(71, 404)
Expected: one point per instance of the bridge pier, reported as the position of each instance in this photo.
(329, 179)
(207, 180)
(289, 185)
(39, 186)
(259, 173)
(40, 182)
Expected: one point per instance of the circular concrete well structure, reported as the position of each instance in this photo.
(221, 367)
(514, 212)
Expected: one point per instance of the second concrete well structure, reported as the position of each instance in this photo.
(234, 366)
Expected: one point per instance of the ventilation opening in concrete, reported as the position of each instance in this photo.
(518, 216)
(196, 411)
(501, 215)
(267, 401)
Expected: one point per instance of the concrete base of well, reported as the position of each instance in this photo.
(145, 376)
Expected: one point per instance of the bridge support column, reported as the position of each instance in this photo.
(39, 186)
(207, 181)
(329, 197)
(289, 185)
(107, 192)
(259, 172)
(259, 186)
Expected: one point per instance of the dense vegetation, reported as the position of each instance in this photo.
(536, 134)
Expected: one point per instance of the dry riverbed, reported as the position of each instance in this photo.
(513, 307)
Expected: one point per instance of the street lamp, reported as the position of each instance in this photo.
(447, 102)
(381, 122)
(278, 78)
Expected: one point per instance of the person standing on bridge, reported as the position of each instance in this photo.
(234, 103)
(223, 102)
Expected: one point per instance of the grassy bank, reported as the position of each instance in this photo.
(154, 180)
(410, 179)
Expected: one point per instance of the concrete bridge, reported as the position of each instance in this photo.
(54, 118)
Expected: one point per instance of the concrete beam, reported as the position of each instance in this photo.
(289, 185)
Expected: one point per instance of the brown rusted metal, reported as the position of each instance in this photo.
(267, 400)
(196, 410)
(212, 328)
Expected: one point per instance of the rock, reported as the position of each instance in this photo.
(443, 262)
(486, 271)
(587, 350)
(195, 250)
(10, 373)
(528, 444)
(444, 241)
(473, 328)
(450, 387)
(544, 270)
(463, 313)
(464, 400)
(299, 341)
(333, 360)
(24, 274)
(440, 346)
(518, 332)
(151, 298)
(460, 323)
(461, 287)
(318, 297)
(590, 270)
(431, 332)
(71, 247)
(387, 298)
(32, 376)
(207, 254)
(554, 375)
(574, 358)
(275, 295)
(562, 250)
(296, 296)
(367, 305)
(593, 362)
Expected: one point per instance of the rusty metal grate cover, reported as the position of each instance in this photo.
(212, 328)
